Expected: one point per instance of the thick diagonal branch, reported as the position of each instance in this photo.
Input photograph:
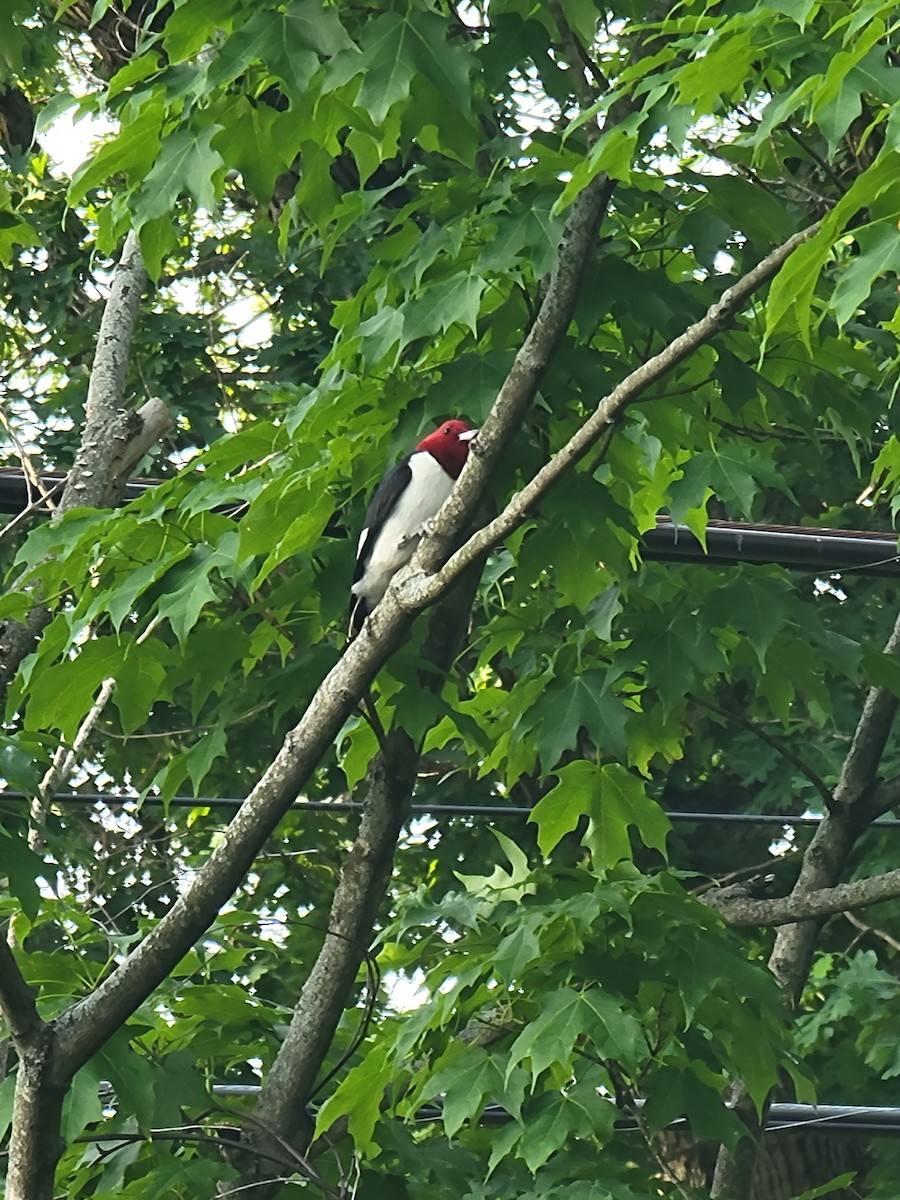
(86, 1027)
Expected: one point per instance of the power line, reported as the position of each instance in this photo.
(794, 547)
(486, 811)
(809, 1118)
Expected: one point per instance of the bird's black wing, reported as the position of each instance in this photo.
(380, 508)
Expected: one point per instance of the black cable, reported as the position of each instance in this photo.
(810, 1118)
(727, 542)
(731, 542)
(340, 807)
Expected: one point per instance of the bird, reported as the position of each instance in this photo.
(409, 495)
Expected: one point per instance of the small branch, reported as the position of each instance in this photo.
(39, 504)
(578, 59)
(137, 434)
(870, 929)
(885, 796)
(17, 1002)
(276, 1142)
(224, 1137)
(416, 589)
(37, 493)
(751, 726)
(64, 762)
(652, 1143)
(860, 770)
(738, 908)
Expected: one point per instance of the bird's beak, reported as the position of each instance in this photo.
(468, 435)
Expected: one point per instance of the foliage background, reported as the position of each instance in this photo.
(347, 212)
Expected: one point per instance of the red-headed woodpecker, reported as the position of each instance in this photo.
(408, 496)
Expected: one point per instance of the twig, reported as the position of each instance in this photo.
(239, 1188)
(298, 1160)
(373, 983)
(744, 873)
(578, 59)
(186, 1133)
(32, 478)
(62, 765)
(881, 934)
(751, 726)
(31, 508)
(634, 1111)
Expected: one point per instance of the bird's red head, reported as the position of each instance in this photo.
(449, 444)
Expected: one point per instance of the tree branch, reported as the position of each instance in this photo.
(885, 796)
(854, 808)
(17, 1001)
(416, 588)
(363, 881)
(520, 386)
(112, 439)
(137, 433)
(291, 1082)
(823, 861)
(881, 934)
(738, 908)
(35, 1143)
(578, 60)
(89, 478)
(785, 751)
(62, 766)
(85, 1026)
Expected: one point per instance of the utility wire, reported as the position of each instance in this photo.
(485, 811)
(728, 543)
(806, 1118)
